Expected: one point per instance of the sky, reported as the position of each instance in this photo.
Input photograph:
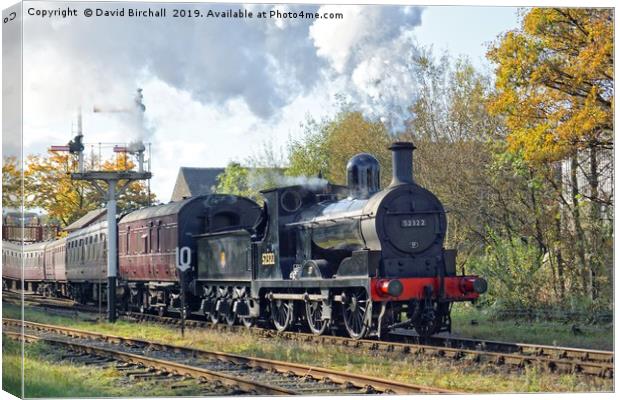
(216, 90)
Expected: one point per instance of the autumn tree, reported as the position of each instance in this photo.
(47, 179)
(555, 92)
(327, 147)
(11, 183)
(554, 82)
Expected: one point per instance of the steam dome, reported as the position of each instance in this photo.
(363, 173)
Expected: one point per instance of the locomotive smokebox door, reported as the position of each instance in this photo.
(412, 228)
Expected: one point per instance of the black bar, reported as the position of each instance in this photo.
(111, 299)
(182, 276)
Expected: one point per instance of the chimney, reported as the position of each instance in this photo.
(402, 163)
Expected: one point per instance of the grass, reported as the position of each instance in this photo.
(539, 332)
(454, 375)
(46, 375)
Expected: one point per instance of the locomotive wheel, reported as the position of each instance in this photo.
(281, 314)
(161, 311)
(214, 317)
(427, 328)
(230, 318)
(354, 309)
(428, 321)
(248, 322)
(314, 311)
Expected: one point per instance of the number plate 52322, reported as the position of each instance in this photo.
(412, 223)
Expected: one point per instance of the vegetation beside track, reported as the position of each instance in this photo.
(454, 375)
(486, 325)
(46, 375)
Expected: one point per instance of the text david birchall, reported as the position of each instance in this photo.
(131, 12)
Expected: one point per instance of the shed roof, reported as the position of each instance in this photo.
(195, 182)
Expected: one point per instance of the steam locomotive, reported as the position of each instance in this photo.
(355, 259)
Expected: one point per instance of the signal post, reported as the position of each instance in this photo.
(110, 193)
(111, 178)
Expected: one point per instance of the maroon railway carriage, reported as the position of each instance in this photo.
(148, 239)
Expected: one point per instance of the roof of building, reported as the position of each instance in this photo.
(89, 218)
(195, 182)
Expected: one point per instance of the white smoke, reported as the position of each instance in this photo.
(376, 57)
(260, 179)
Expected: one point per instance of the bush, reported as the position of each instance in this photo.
(515, 272)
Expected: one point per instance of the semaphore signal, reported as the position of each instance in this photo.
(111, 192)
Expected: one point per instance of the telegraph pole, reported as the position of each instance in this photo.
(112, 253)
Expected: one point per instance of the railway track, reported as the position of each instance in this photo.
(135, 372)
(517, 355)
(246, 374)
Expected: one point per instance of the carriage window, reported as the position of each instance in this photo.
(158, 236)
(127, 242)
(145, 243)
(151, 237)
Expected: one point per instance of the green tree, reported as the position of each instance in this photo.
(235, 180)
(308, 156)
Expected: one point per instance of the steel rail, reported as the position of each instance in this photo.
(161, 365)
(556, 359)
(318, 373)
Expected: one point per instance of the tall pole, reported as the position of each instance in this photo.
(112, 259)
(182, 276)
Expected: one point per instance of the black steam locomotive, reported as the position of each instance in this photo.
(353, 258)
(349, 258)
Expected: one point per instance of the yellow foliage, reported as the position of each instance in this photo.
(11, 182)
(48, 182)
(554, 81)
